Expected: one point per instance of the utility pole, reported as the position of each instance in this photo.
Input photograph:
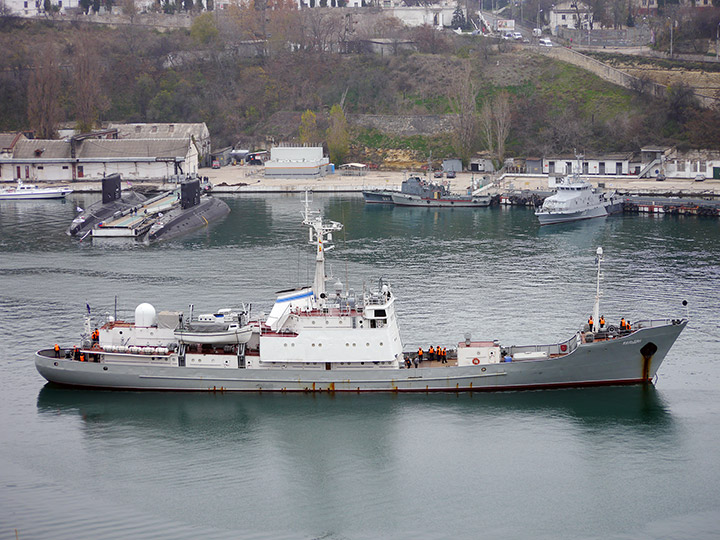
(672, 24)
(717, 42)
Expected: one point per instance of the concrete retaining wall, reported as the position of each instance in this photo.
(615, 76)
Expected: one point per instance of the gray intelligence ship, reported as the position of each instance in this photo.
(318, 340)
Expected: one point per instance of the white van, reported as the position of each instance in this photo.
(545, 42)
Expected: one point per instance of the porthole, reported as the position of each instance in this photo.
(105, 368)
(285, 345)
(313, 344)
(354, 344)
(319, 344)
(367, 344)
(483, 369)
(381, 343)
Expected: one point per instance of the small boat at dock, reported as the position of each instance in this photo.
(24, 191)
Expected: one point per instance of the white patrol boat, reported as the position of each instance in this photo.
(30, 191)
(314, 340)
(576, 199)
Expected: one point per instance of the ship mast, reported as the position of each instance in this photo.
(320, 235)
(596, 309)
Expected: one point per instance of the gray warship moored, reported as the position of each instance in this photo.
(414, 191)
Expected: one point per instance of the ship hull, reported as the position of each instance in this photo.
(378, 197)
(400, 199)
(35, 195)
(548, 218)
(608, 362)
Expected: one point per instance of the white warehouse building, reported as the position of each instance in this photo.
(296, 162)
(93, 159)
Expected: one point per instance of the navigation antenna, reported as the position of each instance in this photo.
(596, 310)
(318, 234)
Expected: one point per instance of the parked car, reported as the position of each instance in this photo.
(438, 174)
(215, 164)
(508, 35)
(545, 42)
(700, 178)
(660, 177)
(517, 36)
(451, 174)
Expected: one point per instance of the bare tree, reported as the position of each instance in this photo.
(44, 88)
(487, 131)
(88, 98)
(502, 118)
(462, 102)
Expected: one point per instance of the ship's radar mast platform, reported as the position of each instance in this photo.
(320, 235)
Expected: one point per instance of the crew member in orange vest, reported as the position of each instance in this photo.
(444, 355)
(623, 324)
(591, 322)
(57, 351)
(82, 357)
(431, 353)
(602, 321)
(420, 354)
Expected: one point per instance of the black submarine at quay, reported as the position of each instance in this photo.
(132, 215)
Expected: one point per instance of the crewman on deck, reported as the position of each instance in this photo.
(82, 357)
(57, 350)
(431, 353)
(420, 355)
(602, 321)
(444, 355)
(591, 322)
(95, 336)
(623, 324)
(628, 327)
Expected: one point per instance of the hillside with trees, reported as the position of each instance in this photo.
(506, 100)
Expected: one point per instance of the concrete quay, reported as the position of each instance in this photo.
(248, 179)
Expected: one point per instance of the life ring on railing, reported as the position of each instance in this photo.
(563, 347)
(476, 361)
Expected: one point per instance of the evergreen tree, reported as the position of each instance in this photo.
(308, 128)
(458, 19)
(338, 136)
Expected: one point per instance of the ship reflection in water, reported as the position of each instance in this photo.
(163, 413)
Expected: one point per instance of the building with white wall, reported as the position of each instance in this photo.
(297, 162)
(571, 15)
(197, 132)
(92, 159)
(608, 164)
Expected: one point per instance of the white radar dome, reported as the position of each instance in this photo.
(145, 315)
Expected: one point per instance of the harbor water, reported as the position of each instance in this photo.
(596, 463)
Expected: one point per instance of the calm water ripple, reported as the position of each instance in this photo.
(617, 463)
